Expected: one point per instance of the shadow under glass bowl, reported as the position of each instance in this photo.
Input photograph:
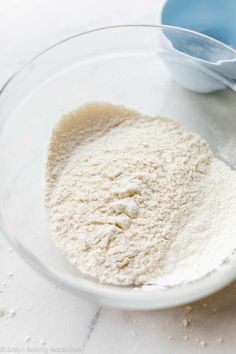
(122, 65)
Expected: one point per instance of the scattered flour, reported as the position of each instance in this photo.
(3, 311)
(135, 199)
(203, 343)
(186, 322)
(188, 308)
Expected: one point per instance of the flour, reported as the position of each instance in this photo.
(2, 311)
(134, 199)
(208, 237)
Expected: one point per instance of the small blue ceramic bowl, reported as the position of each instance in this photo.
(213, 18)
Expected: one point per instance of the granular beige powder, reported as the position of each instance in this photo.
(120, 188)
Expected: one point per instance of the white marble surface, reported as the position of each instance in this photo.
(44, 319)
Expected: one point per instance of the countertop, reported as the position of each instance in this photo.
(35, 315)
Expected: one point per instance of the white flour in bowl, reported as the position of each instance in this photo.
(134, 199)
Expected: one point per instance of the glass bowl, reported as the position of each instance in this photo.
(123, 65)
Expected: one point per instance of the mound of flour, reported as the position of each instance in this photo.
(135, 199)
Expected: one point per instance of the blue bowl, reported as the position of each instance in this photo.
(213, 18)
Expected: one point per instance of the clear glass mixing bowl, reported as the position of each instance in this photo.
(123, 65)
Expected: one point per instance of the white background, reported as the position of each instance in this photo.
(50, 317)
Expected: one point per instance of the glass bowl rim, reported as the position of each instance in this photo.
(124, 26)
(155, 299)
